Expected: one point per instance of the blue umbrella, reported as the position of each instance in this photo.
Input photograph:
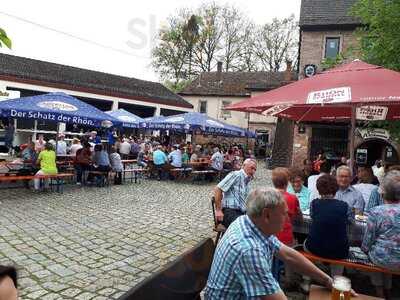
(128, 119)
(56, 107)
(193, 121)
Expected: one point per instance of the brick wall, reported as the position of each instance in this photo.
(301, 144)
(313, 47)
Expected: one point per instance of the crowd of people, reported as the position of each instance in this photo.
(90, 153)
(259, 236)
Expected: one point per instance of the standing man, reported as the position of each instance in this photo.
(231, 193)
(242, 263)
(348, 193)
(217, 160)
(61, 145)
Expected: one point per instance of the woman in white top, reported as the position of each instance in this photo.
(364, 184)
(76, 145)
(116, 165)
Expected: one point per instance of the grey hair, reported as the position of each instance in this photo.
(259, 199)
(249, 160)
(344, 168)
(391, 186)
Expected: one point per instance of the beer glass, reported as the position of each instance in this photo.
(341, 288)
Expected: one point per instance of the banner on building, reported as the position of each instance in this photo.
(371, 113)
(370, 133)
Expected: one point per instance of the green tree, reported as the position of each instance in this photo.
(4, 39)
(380, 37)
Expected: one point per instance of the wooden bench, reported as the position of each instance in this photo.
(182, 279)
(135, 172)
(57, 177)
(104, 176)
(180, 173)
(202, 174)
(348, 263)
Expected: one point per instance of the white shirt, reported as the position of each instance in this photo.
(365, 189)
(125, 148)
(61, 148)
(312, 186)
(74, 148)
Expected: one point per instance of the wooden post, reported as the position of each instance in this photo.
(352, 136)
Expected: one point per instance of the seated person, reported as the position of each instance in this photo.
(101, 161)
(346, 192)
(143, 157)
(185, 157)
(160, 161)
(83, 160)
(29, 154)
(116, 165)
(8, 283)
(382, 237)
(280, 180)
(39, 144)
(47, 162)
(241, 268)
(298, 189)
(365, 183)
(175, 157)
(330, 217)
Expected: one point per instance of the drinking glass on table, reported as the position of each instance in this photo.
(341, 288)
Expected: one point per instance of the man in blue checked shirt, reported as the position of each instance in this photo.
(241, 268)
(231, 193)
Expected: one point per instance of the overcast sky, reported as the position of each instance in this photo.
(125, 26)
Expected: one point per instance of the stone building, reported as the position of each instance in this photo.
(210, 92)
(326, 30)
(21, 77)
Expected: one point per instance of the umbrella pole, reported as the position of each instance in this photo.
(352, 136)
(58, 133)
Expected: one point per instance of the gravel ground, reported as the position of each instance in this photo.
(96, 243)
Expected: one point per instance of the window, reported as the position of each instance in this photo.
(332, 47)
(203, 106)
(225, 113)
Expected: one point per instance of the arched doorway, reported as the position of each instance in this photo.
(378, 149)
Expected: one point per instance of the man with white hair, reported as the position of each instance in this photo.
(348, 193)
(241, 267)
(231, 193)
(217, 160)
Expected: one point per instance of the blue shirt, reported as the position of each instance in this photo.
(352, 197)
(375, 199)
(159, 157)
(236, 188)
(101, 158)
(241, 268)
(303, 196)
(381, 239)
(176, 158)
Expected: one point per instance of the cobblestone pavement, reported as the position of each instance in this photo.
(96, 243)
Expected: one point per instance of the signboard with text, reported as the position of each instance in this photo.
(336, 95)
(371, 113)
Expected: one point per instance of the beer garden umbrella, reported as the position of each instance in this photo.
(193, 122)
(129, 120)
(350, 92)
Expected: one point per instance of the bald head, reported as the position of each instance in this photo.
(250, 167)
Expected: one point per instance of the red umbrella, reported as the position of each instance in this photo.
(354, 90)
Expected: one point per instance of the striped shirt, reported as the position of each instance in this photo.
(236, 188)
(242, 263)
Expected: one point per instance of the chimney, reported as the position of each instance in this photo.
(288, 71)
(219, 71)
